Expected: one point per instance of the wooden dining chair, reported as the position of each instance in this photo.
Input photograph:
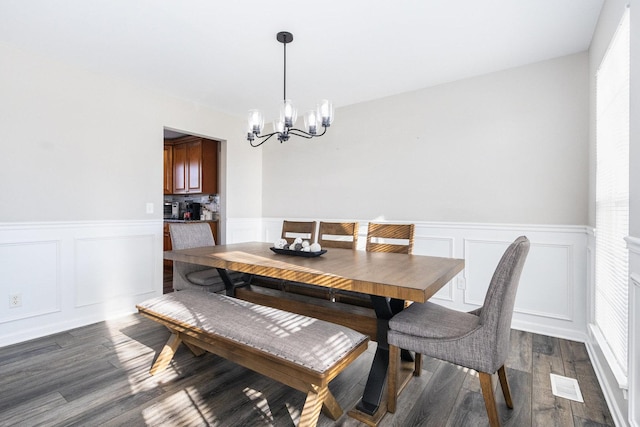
(342, 235)
(396, 238)
(306, 230)
(477, 340)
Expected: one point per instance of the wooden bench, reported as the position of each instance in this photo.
(359, 318)
(299, 351)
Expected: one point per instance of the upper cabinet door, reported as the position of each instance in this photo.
(168, 169)
(179, 169)
(195, 166)
(209, 167)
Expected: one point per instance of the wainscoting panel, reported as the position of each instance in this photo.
(71, 274)
(440, 247)
(29, 271)
(547, 271)
(633, 370)
(110, 267)
(634, 334)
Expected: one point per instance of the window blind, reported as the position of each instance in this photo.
(612, 197)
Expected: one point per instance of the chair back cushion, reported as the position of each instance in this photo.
(190, 235)
(497, 310)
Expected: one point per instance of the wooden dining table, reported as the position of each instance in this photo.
(389, 279)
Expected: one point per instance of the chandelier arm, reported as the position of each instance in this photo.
(264, 138)
(301, 133)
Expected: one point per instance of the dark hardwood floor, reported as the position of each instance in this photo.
(98, 375)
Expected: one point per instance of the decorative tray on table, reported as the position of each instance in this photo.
(298, 253)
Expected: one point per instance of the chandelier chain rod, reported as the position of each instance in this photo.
(284, 95)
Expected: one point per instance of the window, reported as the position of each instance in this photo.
(612, 201)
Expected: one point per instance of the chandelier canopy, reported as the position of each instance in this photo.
(283, 127)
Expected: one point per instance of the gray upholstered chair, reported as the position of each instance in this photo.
(477, 340)
(193, 276)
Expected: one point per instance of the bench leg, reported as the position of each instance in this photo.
(166, 354)
(331, 408)
(312, 406)
(197, 351)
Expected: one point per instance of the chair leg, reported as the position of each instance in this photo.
(417, 370)
(502, 374)
(489, 400)
(392, 378)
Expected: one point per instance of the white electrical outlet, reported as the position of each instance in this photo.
(15, 300)
(149, 208)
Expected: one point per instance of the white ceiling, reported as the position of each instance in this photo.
(225, 55)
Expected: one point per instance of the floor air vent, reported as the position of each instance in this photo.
(565, 387)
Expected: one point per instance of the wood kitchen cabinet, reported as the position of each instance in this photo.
(195, 165)
(168, 169)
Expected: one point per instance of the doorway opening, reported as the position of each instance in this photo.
(192, 187)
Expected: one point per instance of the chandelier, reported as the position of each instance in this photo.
(283, 127)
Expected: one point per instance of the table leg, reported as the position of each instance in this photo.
(372, 396)
(228, 284)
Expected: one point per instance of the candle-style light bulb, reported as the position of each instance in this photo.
(288, 113)
(325, 111)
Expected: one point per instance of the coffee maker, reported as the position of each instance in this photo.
(194, 210)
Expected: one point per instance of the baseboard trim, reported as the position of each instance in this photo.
(619, 418)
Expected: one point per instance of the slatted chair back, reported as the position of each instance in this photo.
(338, 235)
(397, 238)
(303, 229)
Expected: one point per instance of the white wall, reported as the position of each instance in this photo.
(82, 146)
(81, 155)
(507, 147)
